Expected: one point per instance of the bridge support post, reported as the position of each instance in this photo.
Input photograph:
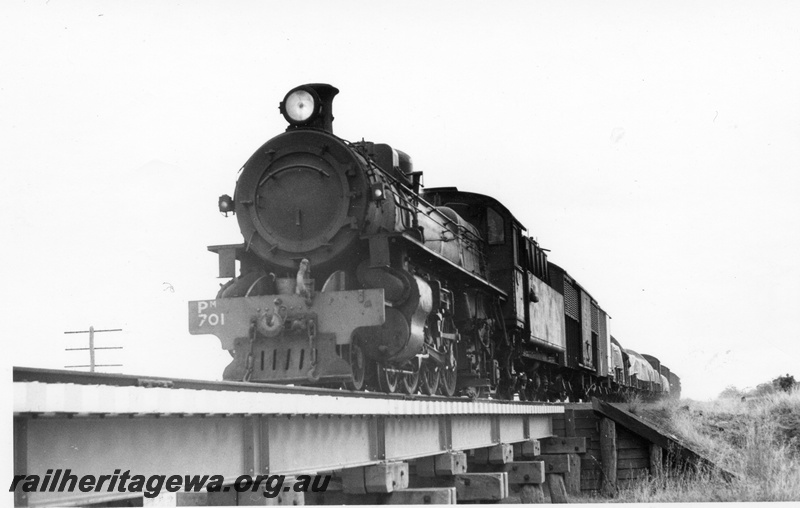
(558, 492)
(572, 478)
(531, 494)
(608, 456)
(656, 461)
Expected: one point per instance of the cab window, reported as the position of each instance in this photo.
(495, 226)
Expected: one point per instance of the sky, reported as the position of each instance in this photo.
(651, 146)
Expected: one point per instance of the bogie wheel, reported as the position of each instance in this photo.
(411, 381)
(388, 380)
(358, 364)
(449, 374)
(429, 377)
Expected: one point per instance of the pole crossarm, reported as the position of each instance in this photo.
(93, 330)
(92, 363)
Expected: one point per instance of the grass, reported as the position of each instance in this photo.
(758, 440)
(634, 404)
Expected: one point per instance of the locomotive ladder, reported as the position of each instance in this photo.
(94, 424)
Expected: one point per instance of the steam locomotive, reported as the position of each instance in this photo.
(351, 274)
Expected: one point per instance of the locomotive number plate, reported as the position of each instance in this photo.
(338, 313)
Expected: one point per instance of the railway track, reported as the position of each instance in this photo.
(55, 376)
(43, 391)
(97, 423)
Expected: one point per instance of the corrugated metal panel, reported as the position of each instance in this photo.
(572, 305)
(94, 399)
(572, 324)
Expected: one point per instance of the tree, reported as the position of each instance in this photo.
(785, 383)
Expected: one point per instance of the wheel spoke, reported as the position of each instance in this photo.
(450, 371)
(411, 381)
(358, 364)
(387, 379)
(429, 377)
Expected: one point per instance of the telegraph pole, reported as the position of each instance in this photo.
(92, 364)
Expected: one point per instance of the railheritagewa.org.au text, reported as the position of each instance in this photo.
(62, 480)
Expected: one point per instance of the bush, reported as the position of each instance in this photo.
(731, 392)
(785, 383)
(764, 389)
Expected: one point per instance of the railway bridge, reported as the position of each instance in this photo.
(376, 447)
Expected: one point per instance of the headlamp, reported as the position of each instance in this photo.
(225, 204)
(378, 191)
(300, 106)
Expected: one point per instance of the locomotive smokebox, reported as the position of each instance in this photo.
(306, 194)
(310, 106)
